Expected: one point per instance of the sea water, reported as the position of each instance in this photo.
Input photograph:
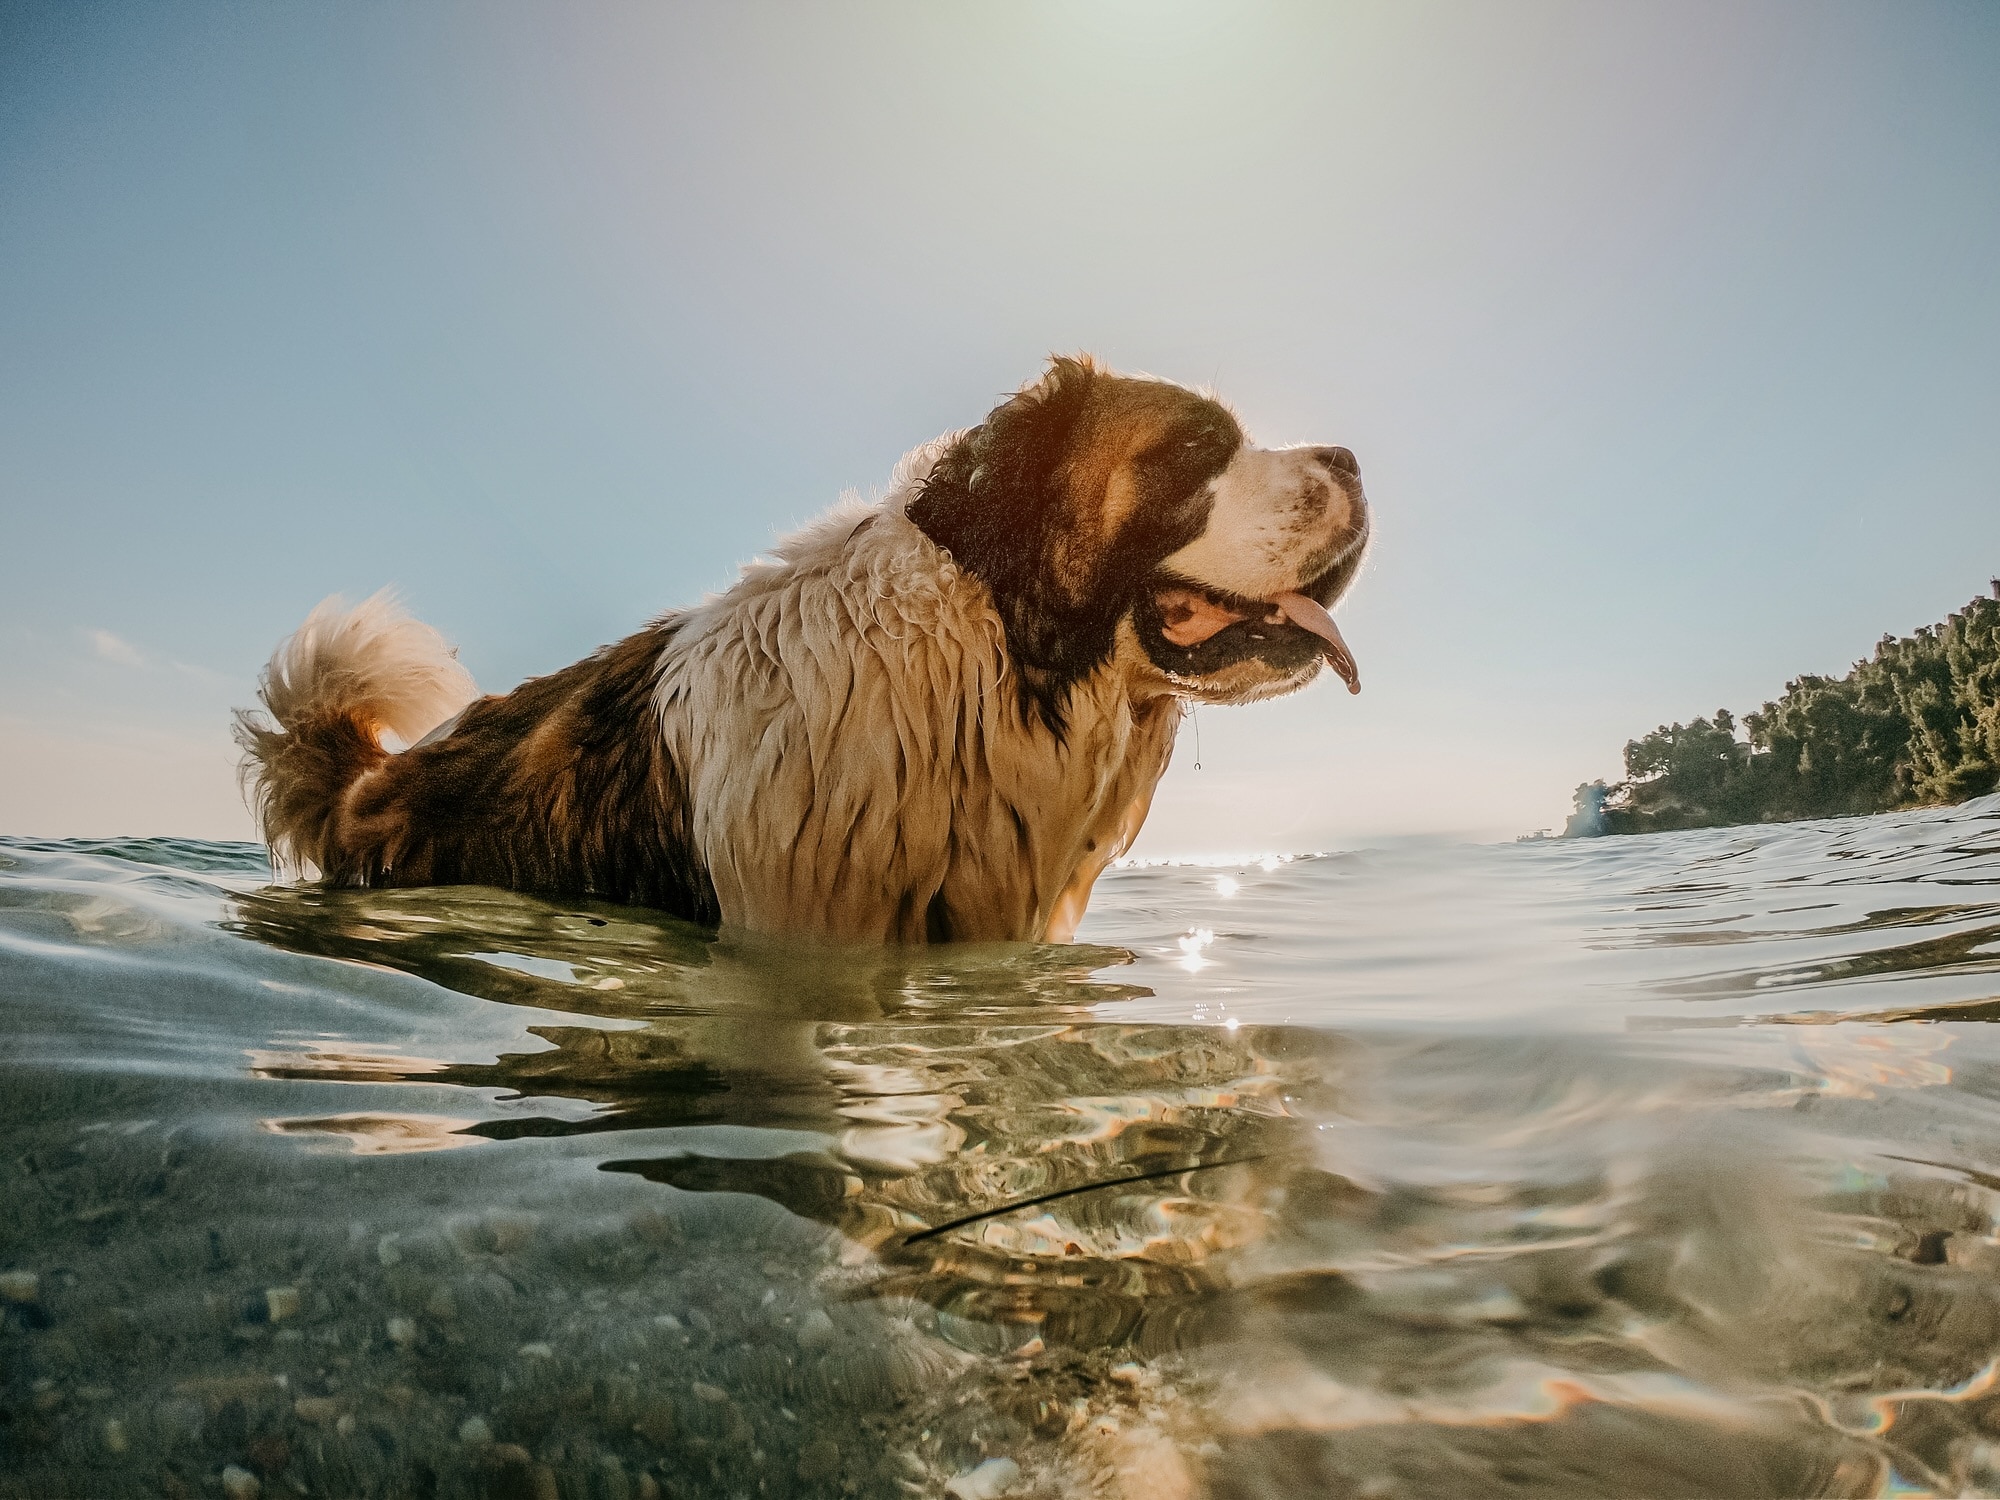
(1660, 1166)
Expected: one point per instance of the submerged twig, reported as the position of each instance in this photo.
(1070, 1192)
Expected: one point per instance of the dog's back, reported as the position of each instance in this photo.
(830, 749)
(557, 786)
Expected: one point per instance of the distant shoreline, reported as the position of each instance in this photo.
(1915, 725)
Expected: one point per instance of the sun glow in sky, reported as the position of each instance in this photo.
(1664, 334)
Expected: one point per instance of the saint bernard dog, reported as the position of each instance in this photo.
(935, 718)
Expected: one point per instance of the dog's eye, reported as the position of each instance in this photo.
(1189, 454)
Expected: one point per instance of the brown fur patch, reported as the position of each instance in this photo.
(1103, 486)
(563, 784)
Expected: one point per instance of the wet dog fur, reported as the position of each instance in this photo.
(934, 718)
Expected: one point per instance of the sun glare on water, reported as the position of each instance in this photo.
(1265, 862)
(1191, 947)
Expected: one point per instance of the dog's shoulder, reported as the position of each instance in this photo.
(861, 581)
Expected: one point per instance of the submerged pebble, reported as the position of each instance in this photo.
(513, 1473)
(986, 1481)
(815, 1330)
(20, 1286)
(655, 1422)
(240, 1484)
(819, 1459)
(319, 1410)
(510, 1231)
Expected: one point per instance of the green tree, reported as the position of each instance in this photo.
(1916, 724)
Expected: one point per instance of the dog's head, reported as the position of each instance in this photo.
(1127, 520)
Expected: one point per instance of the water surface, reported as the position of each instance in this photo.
(1648, 1166)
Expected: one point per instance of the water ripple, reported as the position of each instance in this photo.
(1642, 1166)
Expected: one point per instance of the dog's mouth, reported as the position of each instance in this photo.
(1192, 629)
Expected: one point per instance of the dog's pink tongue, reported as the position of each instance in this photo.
(1310, 614)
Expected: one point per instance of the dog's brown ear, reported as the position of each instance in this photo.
(1017, 451)
(996, 501)
(1003, 475)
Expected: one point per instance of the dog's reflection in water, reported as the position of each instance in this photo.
(1033, 1171)
(1078, 1183)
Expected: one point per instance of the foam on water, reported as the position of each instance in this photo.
(1660, 1166)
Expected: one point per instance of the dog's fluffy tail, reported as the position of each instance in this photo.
(347, 676)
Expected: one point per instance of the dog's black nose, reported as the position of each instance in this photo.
(1342, 459)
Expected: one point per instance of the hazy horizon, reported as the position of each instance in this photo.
(1663, 332)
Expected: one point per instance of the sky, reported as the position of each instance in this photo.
(1668, 336)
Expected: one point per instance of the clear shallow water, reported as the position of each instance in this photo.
(1653, 1166)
